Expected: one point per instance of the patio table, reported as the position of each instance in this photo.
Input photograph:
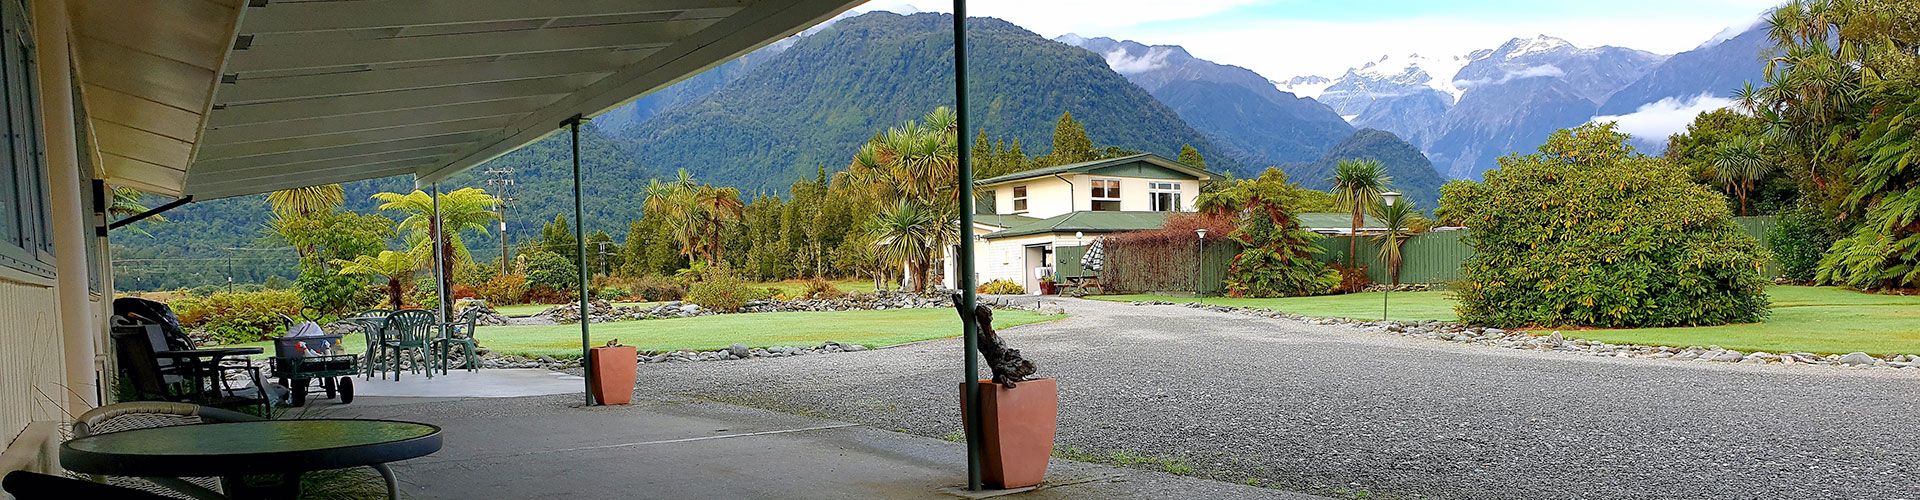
(283, 448)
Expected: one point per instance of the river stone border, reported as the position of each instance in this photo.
(1496, 337)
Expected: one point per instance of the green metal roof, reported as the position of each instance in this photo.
(1089, 166)
(1087, 222)
(1002, 220)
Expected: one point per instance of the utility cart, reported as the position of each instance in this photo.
(297, 362)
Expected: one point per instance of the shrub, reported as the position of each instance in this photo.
(1587, 233)
(550, 270)
(656, 288)
(473, 274)
(821, 289)
(540, 294)
(327, 291)
(235, 317)
(612, 294)
(504, 289)
(719, 289)
(1278, 255)
(1001, 287)
(1798, 241)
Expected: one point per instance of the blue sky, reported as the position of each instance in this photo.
(1283, 38)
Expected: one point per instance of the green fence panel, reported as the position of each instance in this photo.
(1432, 258)
(1066, 262)
(1757, 226)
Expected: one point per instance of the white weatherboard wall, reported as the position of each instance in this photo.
(1046, 197)
(32, 372)
(1006, 258)
(1133, 193)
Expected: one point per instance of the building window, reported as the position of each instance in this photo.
(1019, 199)
(26, 240)
(1164, 196)
(1106, 195)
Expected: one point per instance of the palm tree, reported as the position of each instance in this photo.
(396, 267)
(1401, 221)
(672, 202)
(1738, 163)
(909, 233)
(915, 163)
(306, 201)
(717, 207)
(1357, 185)
(465, 209)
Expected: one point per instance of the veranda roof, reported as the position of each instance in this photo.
(219, 98)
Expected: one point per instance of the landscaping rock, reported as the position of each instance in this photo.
(1858, 359)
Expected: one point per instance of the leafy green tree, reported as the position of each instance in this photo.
(1357, 184)
(550, 270)
(1586, 233)
(128, 202)
(306, 201)
(557, 237)
(326, 237)
(1456, 202)
(1191, 157)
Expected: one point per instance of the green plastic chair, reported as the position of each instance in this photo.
(449, 340)
(371, 330)
(408, 332)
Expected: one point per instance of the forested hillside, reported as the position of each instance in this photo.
(820, 99)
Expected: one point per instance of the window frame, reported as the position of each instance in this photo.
(1020, 205)
(24, 162)
(1101, 192)
(1156, 188)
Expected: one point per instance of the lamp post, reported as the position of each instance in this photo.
(1388, 198)
(1200, 259)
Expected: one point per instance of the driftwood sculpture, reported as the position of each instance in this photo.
(1009, 368)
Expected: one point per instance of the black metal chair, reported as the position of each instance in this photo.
(154, 379)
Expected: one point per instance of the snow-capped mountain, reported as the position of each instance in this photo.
(1465, 110)
(1234, 106)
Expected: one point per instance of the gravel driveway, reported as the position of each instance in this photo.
(1337, 411)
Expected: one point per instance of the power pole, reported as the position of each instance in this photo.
(606, 264)
(501, 179)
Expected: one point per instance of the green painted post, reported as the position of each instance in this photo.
(580, 259)
(970, 331)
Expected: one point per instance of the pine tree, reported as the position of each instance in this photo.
(1191, 157)
(1070, 142)
(557, 237)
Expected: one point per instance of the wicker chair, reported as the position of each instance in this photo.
(148, 414)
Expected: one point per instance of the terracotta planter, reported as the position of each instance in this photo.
(1019, 425)
(1046, 288)
(614, 374)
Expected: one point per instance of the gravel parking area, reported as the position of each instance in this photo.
(1333, 410)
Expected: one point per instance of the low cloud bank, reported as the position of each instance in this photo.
(1653, 122)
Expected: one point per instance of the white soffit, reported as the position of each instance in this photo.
(315, 92)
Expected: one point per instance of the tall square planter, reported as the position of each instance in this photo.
(614, 372)
(1018, 424)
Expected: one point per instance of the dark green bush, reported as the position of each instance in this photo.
(656, 288)
(1798, 240)
(1587, 233)
(550, 270)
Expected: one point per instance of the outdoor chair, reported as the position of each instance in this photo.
(148, 414)
(408, 332)
(459, 335)
(181, 382)
(371, 330)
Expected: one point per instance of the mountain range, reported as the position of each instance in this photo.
(776, 114)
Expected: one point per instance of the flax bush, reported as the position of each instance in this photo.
(1588, 233)
(1001, 287)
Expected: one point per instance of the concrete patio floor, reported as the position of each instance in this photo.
(550, 446)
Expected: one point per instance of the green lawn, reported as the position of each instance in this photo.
(1804, 318)
(803, 329)
(1403, 306)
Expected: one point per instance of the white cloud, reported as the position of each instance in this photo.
(1654, 121)
(1526, 72)
(1123, 63)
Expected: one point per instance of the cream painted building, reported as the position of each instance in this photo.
(1038, 211)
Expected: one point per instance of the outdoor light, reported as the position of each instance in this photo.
(1199, 258)
(1390, 197)
(1202, 232)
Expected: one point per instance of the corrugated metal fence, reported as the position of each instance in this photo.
(1432, 258)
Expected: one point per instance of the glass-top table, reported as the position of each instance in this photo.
(269, 447)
